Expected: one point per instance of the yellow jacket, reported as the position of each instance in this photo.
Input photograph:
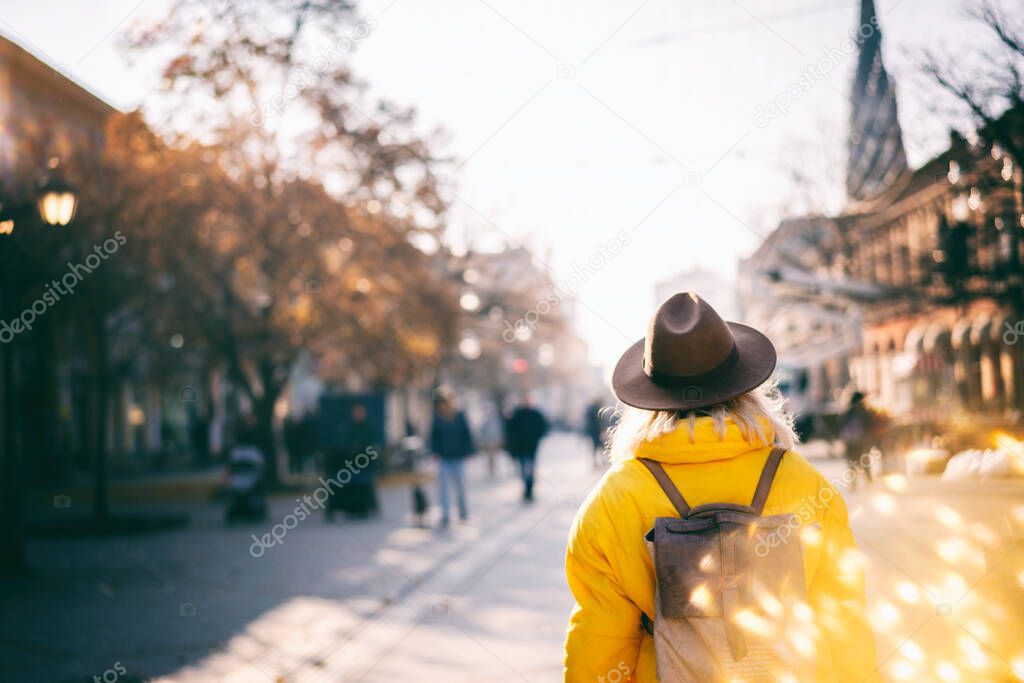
(612, 576)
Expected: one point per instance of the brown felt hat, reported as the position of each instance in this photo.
(691, 358)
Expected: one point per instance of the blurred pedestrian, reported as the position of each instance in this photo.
(355, 452)
(420, 505)
(362, 439)
(451, 443)
(491, 435)
(412, 450)
(309, 437)
(526, 427)
(200, 436)
(290, 432)
(246, 498)
(860, 424)
(663, 589)
(596, 424)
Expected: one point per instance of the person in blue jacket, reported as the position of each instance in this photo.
(451, 442)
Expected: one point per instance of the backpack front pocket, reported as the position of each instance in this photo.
(688, 567)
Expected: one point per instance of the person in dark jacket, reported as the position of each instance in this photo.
(596, 420)
(526, 427)
(357, 496)
(860, 429)
(451, 442)
(291, 443)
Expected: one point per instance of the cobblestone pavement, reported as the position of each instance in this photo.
(486, 601)
(195, 605)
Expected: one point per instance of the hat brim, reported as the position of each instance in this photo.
(755, 363)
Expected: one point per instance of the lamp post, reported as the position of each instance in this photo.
(6, 221)
(57, 202)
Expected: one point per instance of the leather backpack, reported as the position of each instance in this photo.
(730, 605)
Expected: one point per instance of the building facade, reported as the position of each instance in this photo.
(44, 116)
(43, 112)
(945, 245)
(787, 289)
(914, 292)
(159, 416)
(519, 336)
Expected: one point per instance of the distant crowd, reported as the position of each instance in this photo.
(450, 443)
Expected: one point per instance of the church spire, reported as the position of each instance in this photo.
(876, 154)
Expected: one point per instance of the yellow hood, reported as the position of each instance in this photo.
(677, 447)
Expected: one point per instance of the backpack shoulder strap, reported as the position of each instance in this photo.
(764, 484)
(680, 504)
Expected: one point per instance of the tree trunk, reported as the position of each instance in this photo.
(100, 504)
(263, 411)
(13, 560)
(37, 402)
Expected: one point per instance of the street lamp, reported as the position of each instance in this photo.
(974, 199)
(469, 301)
(546, 355)
(954, 172)
(961, 208)
(470, 347)
(6, 221)
(58, 200)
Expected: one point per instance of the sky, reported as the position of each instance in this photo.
(634, 130)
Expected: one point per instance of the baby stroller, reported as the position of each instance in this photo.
(245, 485)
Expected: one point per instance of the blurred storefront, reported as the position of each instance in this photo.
(946, 244)
(943, 246)
(44, 116)
(786, 289)
(915, 292)
(167, 411)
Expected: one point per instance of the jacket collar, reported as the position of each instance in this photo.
(706, 446)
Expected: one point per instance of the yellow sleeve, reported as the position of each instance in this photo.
(603, 641)
(837, 596)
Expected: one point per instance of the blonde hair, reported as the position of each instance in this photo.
(751, 412)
